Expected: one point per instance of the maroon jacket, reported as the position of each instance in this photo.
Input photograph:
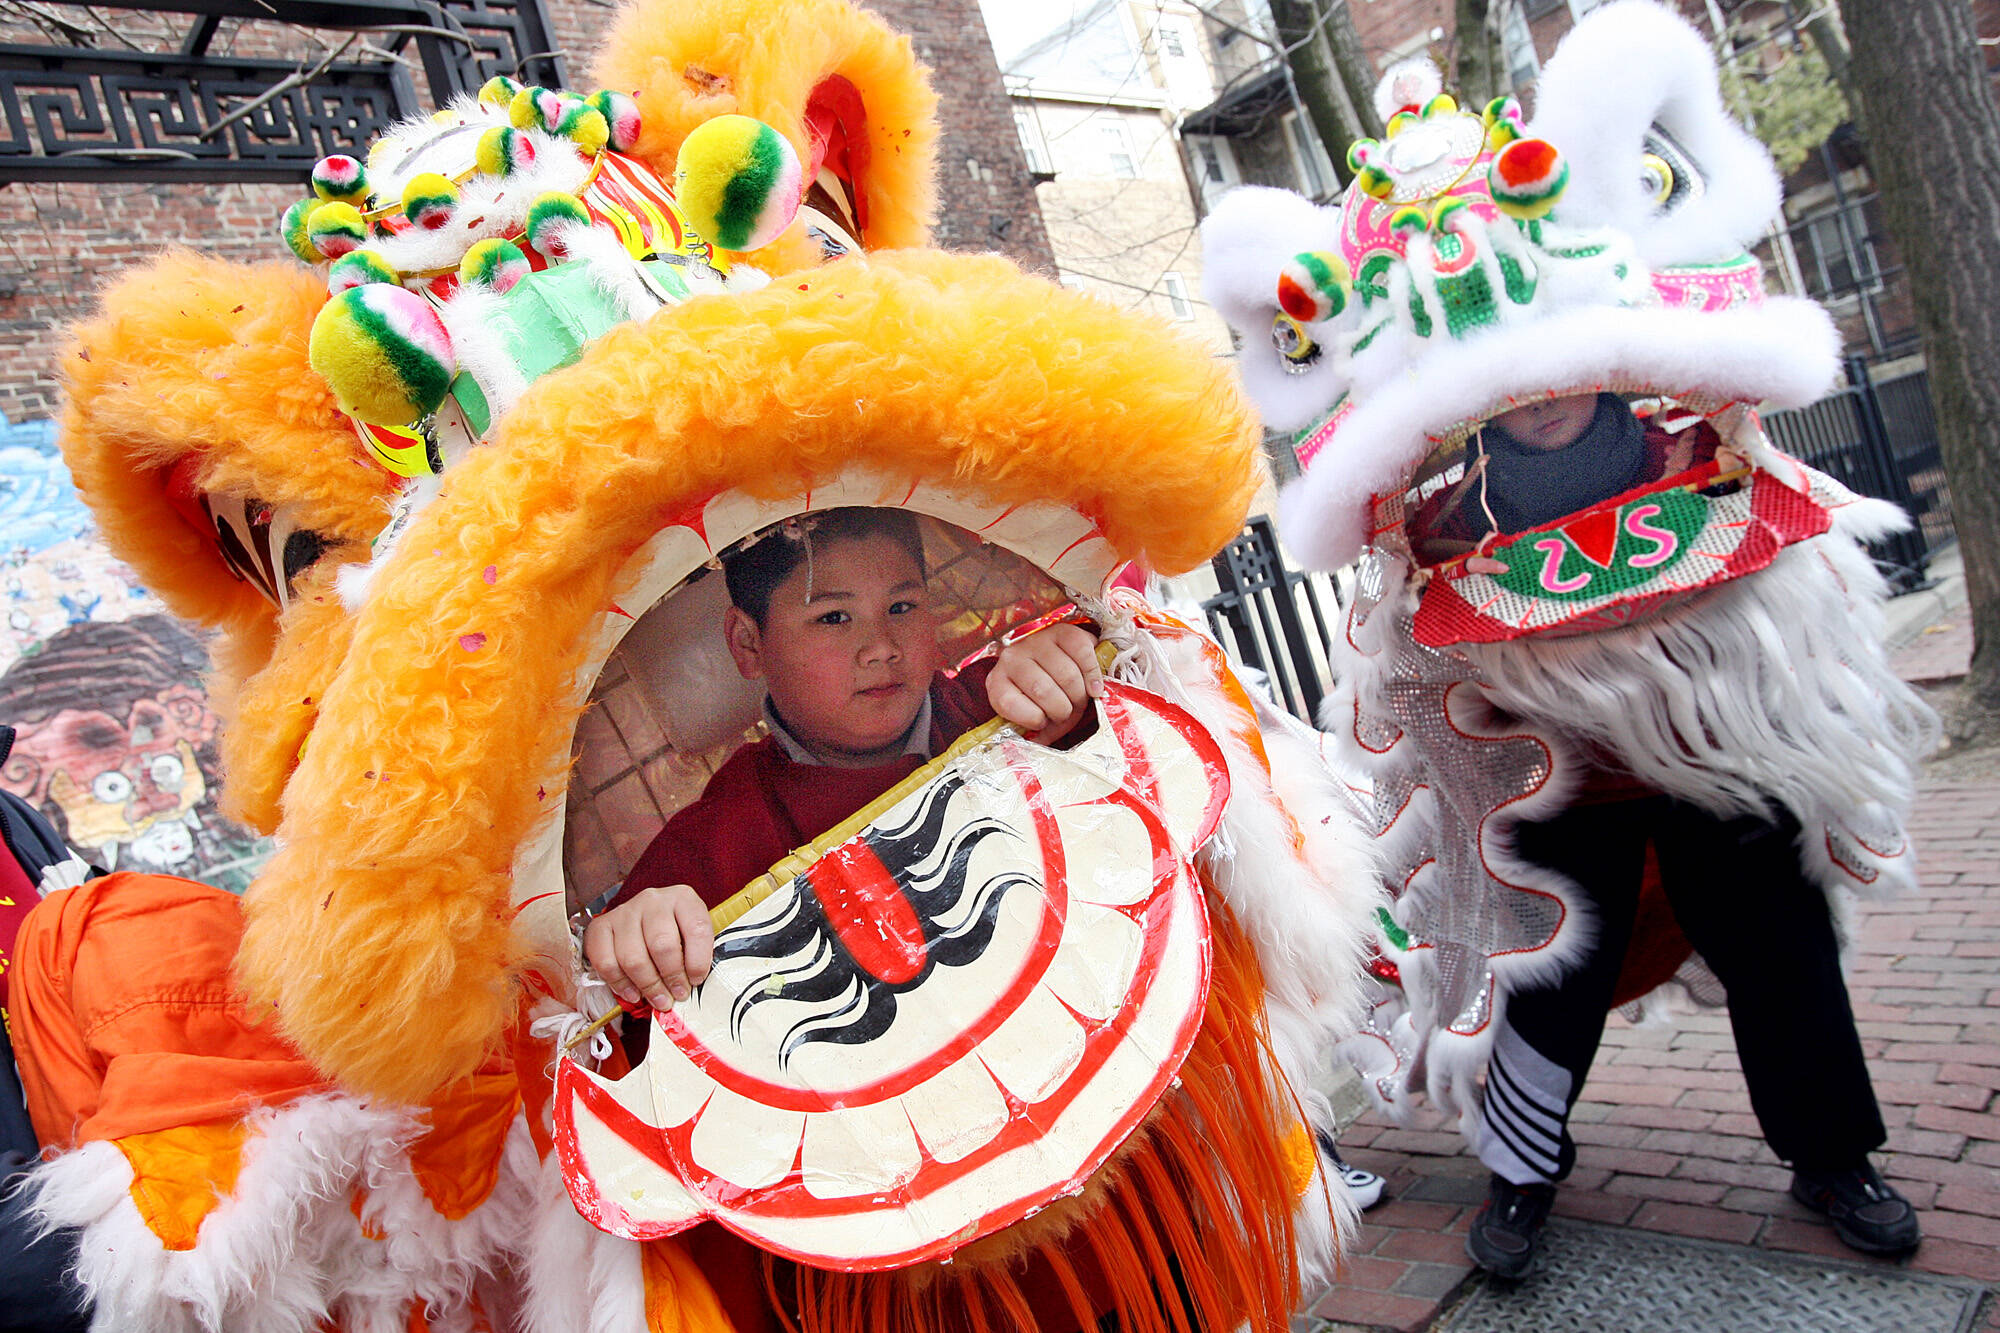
(761, 804)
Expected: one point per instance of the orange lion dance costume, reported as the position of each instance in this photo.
(450, 500)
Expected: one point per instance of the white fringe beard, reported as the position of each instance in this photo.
(1772, 690)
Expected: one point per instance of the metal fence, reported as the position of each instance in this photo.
(1280, 621)
(1879, 439)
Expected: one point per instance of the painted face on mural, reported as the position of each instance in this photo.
(112, 780)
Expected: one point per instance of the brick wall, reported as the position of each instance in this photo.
(58, 243)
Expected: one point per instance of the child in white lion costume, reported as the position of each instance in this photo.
(1607, 643)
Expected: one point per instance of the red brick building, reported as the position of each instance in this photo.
(58, 242)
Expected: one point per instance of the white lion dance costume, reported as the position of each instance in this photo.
(451, 492)
(1671, 664)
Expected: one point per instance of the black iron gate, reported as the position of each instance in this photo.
(109, 113)
(1880, 439)
(1273, 618)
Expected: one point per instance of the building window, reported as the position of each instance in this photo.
(1177, 295)
(1519, 44)
(1836, 252)
(1306, 156)
(1116, 146)
(1033, 146)
(1209, 160)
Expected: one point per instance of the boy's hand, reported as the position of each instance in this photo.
(658, 944)
(1044, 683)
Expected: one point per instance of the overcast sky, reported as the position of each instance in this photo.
(1015, 23)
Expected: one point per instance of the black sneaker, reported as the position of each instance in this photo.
(1503, 1236)
(1866, 1213)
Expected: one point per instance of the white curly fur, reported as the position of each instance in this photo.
(1665, 76)
(285, 1250)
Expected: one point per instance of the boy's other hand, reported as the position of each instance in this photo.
(657, 944)
(1044, 683)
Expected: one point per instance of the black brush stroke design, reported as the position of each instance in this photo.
(958, 920)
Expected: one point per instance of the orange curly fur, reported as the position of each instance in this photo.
(769, 55)
(420, 785)
(194, 356)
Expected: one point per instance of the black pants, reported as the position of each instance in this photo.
(1742, 900)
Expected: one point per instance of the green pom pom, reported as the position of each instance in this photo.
(739, 181)
(335, 229)
(385, 353)
(358, 268)
(548, 215)
(340, 179)
(584, 125)
(297, 239)
(621, 117)
(503, 151)
(498, 90)
(428, 200)
(523, 111)
(496, 263)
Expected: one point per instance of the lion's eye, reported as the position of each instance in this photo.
(1656, 177)
(1295, 347)
(1667, 175)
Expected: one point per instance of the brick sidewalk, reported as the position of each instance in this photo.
(1666, 1141)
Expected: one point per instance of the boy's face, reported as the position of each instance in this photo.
(848, 669)
(1555, 423)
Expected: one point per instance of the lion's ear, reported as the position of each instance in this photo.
(833, 79)
(191, 400)
(1652, 152)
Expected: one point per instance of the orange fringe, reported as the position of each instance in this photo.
(1188, 1229)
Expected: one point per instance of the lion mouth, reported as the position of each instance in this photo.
(664, 705)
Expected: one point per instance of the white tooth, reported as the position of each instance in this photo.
(861, 486)
(1088, 565)
(639, 1193)
(965, 511)
(733, 515)
(1035, 1049)
(1185, 783)
(865, 1150)
(1096, 960)
(1108, 853)
(958, 1112)
(748, 1144)
(679, 1087)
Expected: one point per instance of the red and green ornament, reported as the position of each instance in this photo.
(340, 179)
(335, 229)
(1503, 122)
(358, 268)
(385, 353)
(298, 238)
(498, 91)
(1409, 220)
(549, 216)
(1314, 286)
(1527, 177)
(1371, 173)
(739, 181)
(494, 262)
(584, 125)
(621, 118)
(503, 151)
(429, 200)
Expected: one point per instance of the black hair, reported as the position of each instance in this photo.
(755, 571)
